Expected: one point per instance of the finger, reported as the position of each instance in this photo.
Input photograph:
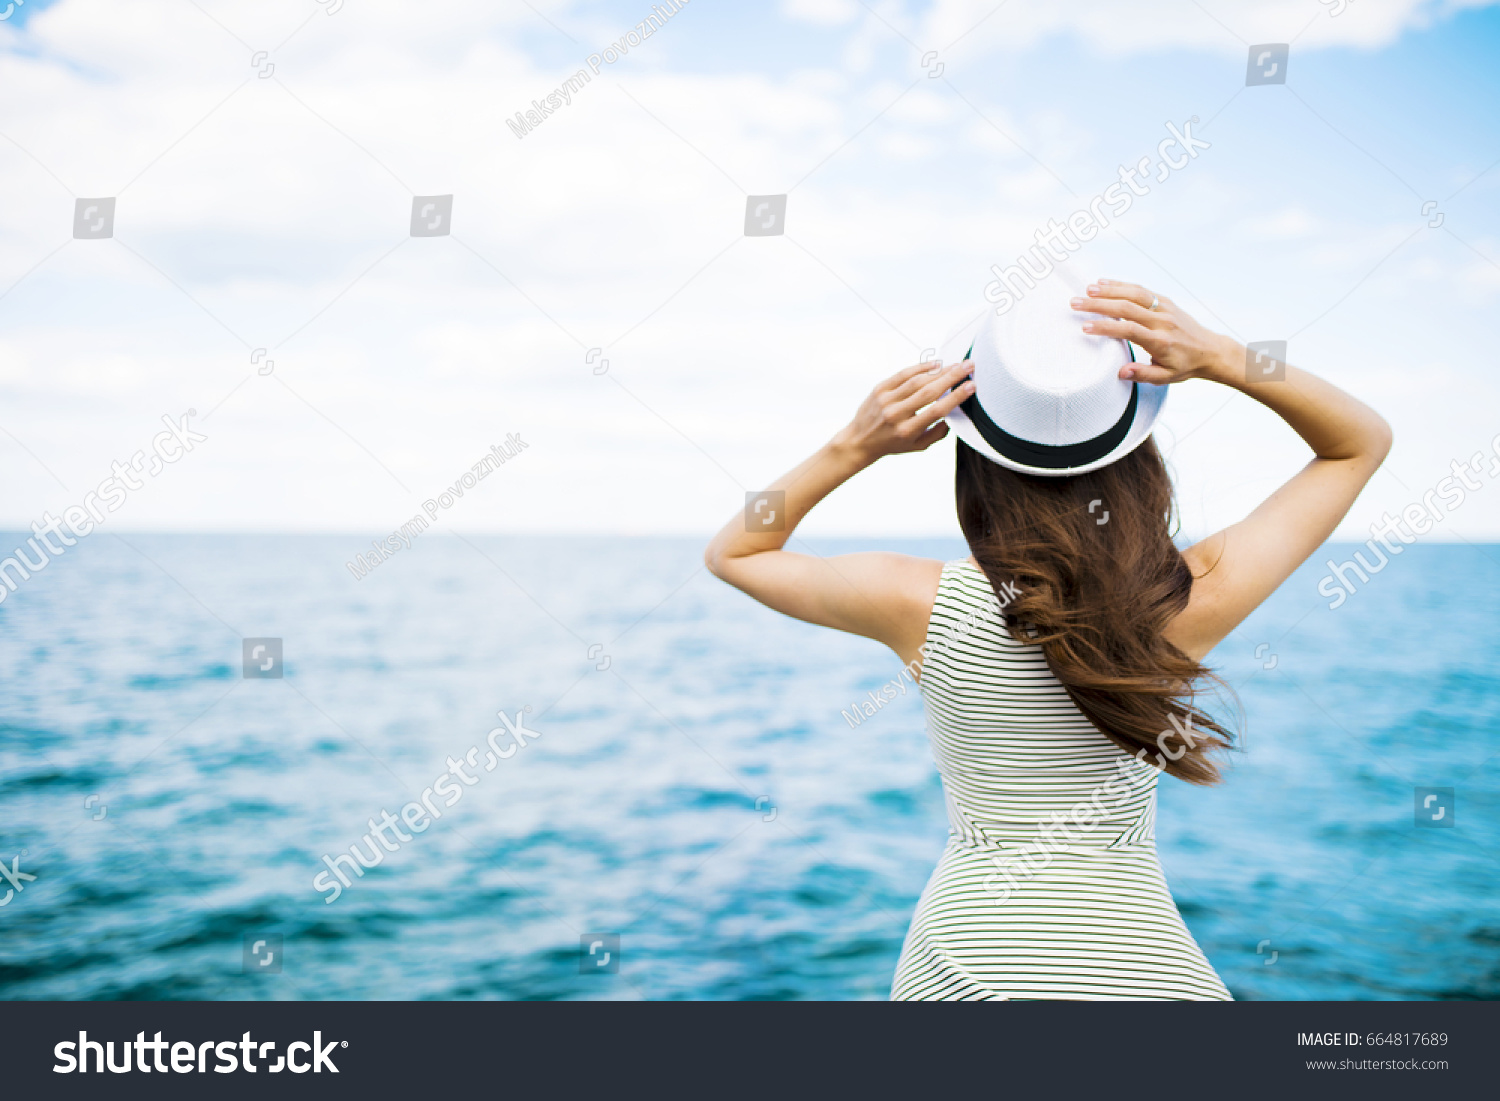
(934, 411)
(933, 390)
(947, 402)
(902, 376)
(941, 377)
(1123, 329)
(930, 437)
(1111, 288)
(1146, 372)
(1123, 308)
(915, 381)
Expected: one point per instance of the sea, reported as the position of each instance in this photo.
(664, 795)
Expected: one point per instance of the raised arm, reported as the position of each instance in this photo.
(887, 597)
(1234, 570)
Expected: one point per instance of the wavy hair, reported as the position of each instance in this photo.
(1100, 579)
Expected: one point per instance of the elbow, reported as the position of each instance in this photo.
(1381, 440)
(713, 560)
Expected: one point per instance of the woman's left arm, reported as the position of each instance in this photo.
(886, 597)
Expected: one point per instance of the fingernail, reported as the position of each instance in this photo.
(1089, 327)
(1106, 280)
(1079, 301)
(1129, 372)
(1093, 288)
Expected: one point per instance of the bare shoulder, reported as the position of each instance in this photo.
(884, 596)
(911, 570)
(910, 583)
(1196, 629)
(901, 588)
(1203, 556)
(918, 579)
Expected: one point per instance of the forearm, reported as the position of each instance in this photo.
(1336, 425)
(904, 413)
(805, 485)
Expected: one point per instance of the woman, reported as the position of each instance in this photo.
(1059, 664)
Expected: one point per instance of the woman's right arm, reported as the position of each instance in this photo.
(1236, 569)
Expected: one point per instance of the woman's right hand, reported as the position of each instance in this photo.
(905, 412)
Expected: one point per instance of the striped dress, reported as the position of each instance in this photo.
(1049, 886)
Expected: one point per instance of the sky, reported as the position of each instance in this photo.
(596, 296)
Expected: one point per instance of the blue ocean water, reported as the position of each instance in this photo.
(691, 786)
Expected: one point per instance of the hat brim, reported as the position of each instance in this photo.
(1148, 408)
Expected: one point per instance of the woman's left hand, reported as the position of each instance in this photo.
(1179, 346)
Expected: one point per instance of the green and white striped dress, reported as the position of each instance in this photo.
(1050, 886)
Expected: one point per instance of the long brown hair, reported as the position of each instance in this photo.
(1099, 579)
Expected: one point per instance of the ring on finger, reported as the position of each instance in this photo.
(1154, 302)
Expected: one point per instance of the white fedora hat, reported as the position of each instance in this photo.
(1048, 398)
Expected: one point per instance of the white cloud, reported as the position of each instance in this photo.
(1155, 25)
(1143, 26)
(1288, 224)
(827, 13)
(624, 228)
